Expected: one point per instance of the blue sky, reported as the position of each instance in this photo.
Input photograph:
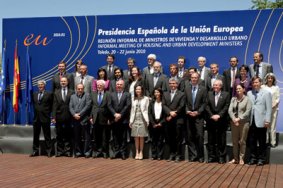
(47, 8)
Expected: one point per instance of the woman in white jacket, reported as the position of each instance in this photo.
(270, 85)
(139, 120)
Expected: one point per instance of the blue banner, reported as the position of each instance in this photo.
(215, 35)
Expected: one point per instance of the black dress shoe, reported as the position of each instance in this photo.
(178, 159)
(105, 155)
(193, 159)
(123, 157)
(211, 160)
(252, 162)
(171, 158)
(33, 154)
(201, 160)
(260, 163)
(49, 154)
(221, 161)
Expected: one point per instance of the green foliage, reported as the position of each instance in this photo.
(266, 4)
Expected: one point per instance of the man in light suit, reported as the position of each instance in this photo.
(151, 58)
(155, 80)
(99, 118)
(260, 121)
(217, 105)
(110, 67)
(62, 72)
(260, 68)
(61, 117)
(84, 79)
(195, 106)
(231, 74)
(80, 104)
(42, 101)
(119, 107)
(203, 71)
(174, 103)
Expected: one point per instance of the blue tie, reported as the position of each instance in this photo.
(99, 99)
(194, 96)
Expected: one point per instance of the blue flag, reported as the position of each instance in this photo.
(28, 82)
(3, 81)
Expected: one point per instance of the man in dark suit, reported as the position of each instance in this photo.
(174, 102)
(217, 105)
(260, 68)
(42, 101)
(62, 72)
(214, 75)
(131, 62)
(195, 106)
(80, 105)
(61, 116)
(231, 74)
(181, 66)
(155, 80)
(99, 118)
(110, 67)
(84, 79)
(119, 106)
(119, 75)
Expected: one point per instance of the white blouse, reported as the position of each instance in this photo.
(157, 109)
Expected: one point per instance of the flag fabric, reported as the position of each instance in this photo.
(3, 80)
(16, 81)
(28, 82)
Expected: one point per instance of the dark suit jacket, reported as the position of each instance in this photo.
(161, 83)
(200, 99)
(100, 113)
(60, 110)
(56, 81)
(110, 76)
(122, 107)
(126, 75)
(221, 108)
(218, 77)
(177, 104)
(112, 87)
(82, 106)
(43, 109)
(227, 77)
(185, 83)
(151, 114)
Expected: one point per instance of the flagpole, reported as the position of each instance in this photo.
(4, 95)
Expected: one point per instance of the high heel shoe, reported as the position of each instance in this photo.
(140, 156)
(137, 156)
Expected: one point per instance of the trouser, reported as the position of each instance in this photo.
(36, 134)
(157, 145)
(81, 138)
(239, 138)
(173, 132)
(101, 137)
(272, 129)
(63, 137)
(119, 131)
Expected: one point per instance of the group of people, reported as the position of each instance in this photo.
(88, 112)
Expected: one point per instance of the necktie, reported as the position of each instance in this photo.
(233, 77)
(216, 98)
(200, 71)
(110, 69)
(82, 80)
(194, 96)
(172, 95)
(155, 79)
(119, 96)
(40, 97)
(257, 70)
(64, 94)
(99, 99)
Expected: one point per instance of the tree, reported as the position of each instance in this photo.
(266, 4)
